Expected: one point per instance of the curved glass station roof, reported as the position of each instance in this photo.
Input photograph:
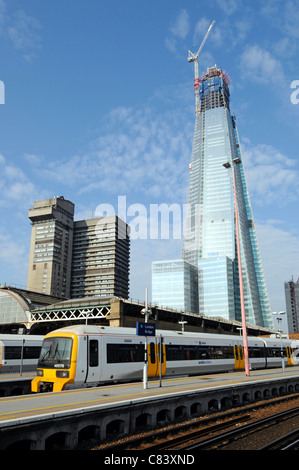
(15, 304)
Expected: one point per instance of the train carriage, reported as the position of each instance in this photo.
(19, 352)
(88, 355)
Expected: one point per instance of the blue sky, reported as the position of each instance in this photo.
(99, 103)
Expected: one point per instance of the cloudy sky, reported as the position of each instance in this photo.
(99, 107)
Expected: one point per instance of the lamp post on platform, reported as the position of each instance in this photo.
(280, 331)
(237, 161)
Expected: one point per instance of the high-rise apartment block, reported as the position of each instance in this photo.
(217, 189)
(74, 259)
(100, 264)
(50, 258)
(291, 289)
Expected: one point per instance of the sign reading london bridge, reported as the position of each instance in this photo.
(145, 329)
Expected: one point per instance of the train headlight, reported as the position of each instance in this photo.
(63, 374)
(40, 372)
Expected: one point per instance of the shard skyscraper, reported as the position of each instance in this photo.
(209, 268)
(217, 190)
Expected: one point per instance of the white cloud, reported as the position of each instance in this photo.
(228, 6)
(22, 29)
(140, 152)
(280, 254)
(261, 66)
(178, 30)
(270, 174)
(15, 186)
(181, 26)
(23, 32)
(13, 257)
(292, 18)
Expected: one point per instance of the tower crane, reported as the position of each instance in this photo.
(194, 58)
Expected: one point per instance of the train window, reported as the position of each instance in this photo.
(93, 353)
(15, 352)
(125, 353)
(55, 349)
(255, 352)
(190, 352)
(173, 352)
(216, 352)
(275, 352)
(179, 353)
(152, 353)
(31, 352)
(203, 352)
(227, 352)
(12, 352)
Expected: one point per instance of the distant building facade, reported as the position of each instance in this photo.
(174, 284)
(291, 290)
(101, 258)
(72, 259)
(50, 258)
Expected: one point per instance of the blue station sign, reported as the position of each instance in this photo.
(145, 329)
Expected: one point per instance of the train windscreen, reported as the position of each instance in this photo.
(56, 353)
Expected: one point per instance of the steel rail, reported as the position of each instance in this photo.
(249, 428)
(287, 442)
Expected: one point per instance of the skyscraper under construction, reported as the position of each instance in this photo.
(217, 190)
(219, 217)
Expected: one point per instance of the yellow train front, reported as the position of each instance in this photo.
(87, 356)
(57, 362)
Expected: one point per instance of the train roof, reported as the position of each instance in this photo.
(110, 330)
(15, 337)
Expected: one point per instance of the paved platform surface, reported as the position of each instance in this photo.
(37, 406)
(17, 377)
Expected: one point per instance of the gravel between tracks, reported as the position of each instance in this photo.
(258, 439)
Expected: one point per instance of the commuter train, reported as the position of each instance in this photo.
(88, 355)
(19, 353)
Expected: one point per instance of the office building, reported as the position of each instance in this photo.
(217, 185)
(174, 285)
(291, 290)
(74, 259)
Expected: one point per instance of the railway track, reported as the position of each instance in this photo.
(224, 439)
(212, 431)
(289, 441)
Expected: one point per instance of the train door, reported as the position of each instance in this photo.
(93, 360)
(153, 351)
(290, 356)
(239, 357)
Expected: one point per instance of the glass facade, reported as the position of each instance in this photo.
(210, 232)
(174, 285)
(215, 287)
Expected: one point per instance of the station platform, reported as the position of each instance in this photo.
(16, 383)
(126, 403)
(35, 405)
